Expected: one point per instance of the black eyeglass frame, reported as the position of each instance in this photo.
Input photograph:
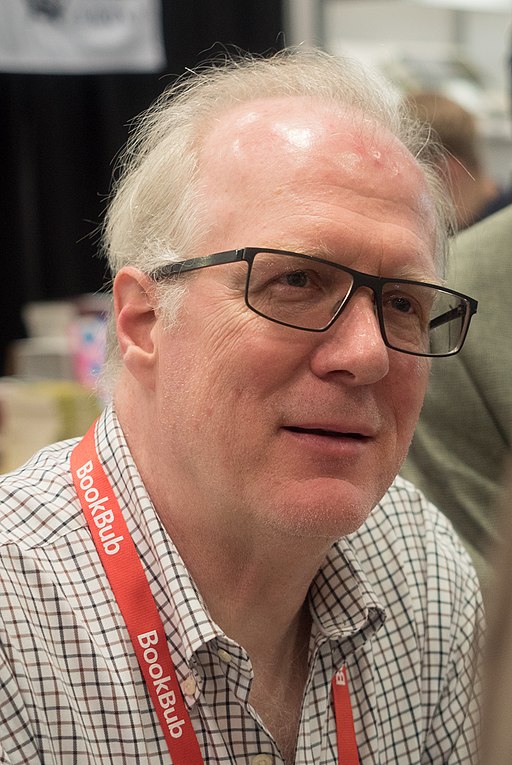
(359, 279)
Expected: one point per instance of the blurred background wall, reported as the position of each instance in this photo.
(460, 48)
(60, 132)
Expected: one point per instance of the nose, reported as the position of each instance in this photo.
(353, 347)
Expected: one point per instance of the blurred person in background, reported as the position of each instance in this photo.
(475, 194)
(464, 433)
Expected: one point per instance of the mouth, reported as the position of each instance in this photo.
(336, 434)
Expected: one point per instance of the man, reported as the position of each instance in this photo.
(464, 435)
(270, 380)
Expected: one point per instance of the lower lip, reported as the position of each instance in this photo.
(337, 446)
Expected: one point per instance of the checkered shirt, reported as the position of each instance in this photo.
(397, 602)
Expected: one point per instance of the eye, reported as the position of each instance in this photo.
(401, 304)
(407, 300)
(297, 279)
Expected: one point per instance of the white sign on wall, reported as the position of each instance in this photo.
(81, 36)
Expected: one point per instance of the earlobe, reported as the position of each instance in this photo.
(135, 317)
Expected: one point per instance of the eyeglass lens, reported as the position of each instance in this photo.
(308, 294)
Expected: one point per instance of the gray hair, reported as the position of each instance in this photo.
(156, 209)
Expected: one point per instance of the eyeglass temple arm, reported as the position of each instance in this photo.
(444, 318)
(218, 259)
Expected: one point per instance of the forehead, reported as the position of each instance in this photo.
(253, 134)
(294, 154)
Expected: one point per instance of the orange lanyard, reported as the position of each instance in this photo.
(138, 608)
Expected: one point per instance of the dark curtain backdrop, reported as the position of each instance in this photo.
(59, 135)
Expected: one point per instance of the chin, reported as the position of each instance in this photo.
(323, 508)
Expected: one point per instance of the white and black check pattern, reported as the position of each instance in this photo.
(71, 692)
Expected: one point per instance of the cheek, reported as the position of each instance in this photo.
(257, 358)
(408, 383)
(216, 375)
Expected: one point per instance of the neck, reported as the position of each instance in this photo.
(264, 607)
(258, 594)
(256, 590)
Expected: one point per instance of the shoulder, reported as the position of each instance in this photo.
(406, 515)
(481, 265)
(414, 544)
(38, 503)
(481, 248)
(485, 230)
(428, 649)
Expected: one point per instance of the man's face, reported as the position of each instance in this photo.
(301, 432)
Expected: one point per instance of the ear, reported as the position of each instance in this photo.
(134, 308)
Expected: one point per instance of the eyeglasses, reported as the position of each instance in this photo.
(310, 293)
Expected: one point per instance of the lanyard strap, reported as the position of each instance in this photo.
(136, 603)
(131, 589)
(345, 731)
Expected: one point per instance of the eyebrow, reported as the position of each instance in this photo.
(405, 271)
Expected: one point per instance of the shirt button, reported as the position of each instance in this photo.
(262, 759)
(188, 686)
(225, 657)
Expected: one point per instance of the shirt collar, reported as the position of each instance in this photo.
(344, 606)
